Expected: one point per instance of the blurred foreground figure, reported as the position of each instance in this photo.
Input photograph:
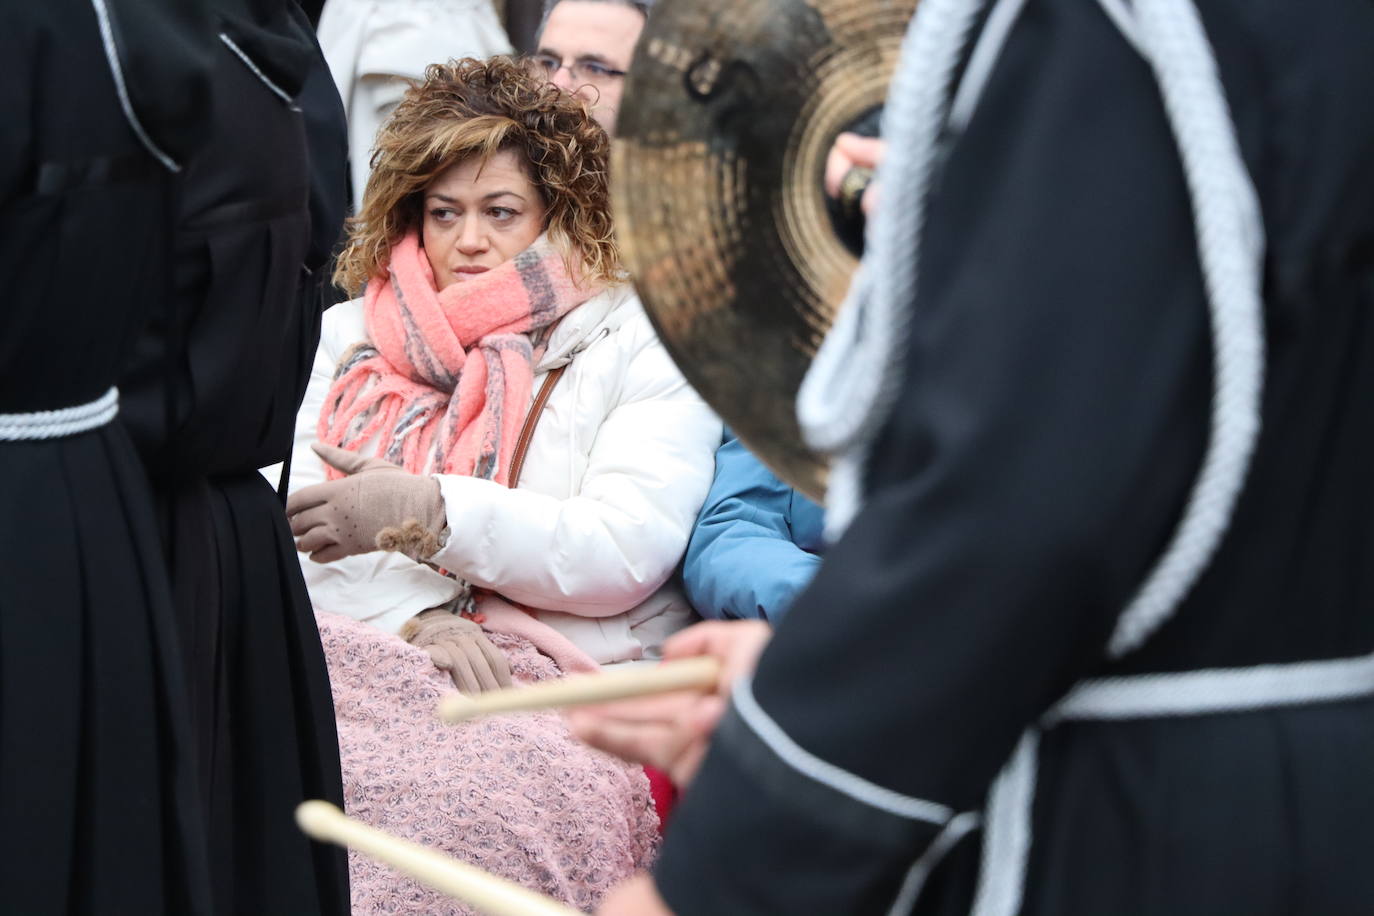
(97, 790)
(1096, 635)
(211, 395)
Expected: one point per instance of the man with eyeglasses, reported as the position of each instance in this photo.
(585, 48)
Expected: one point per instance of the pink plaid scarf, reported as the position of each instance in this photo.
(446, 383)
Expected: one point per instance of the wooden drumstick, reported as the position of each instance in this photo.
(486, 892)
(700, 673)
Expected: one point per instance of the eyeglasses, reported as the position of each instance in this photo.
(582, 71)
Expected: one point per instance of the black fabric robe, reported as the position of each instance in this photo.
(1052, 418)
(212, 396)
(97, 787)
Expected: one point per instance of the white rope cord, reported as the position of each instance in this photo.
(1216, 690)
(852, 383)
(1007, 838)
(54, 424)
(850, 388)
(1007, 832)
(1120, 15)
(986, 50)
(1230, 241)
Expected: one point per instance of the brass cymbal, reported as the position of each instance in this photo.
(730, 108)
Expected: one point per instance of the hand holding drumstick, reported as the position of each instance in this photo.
(672, 731)
(662, 716)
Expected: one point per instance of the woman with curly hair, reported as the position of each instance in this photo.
(511, 468)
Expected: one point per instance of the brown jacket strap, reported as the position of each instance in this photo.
(522, 444)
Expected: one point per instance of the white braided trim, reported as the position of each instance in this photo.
(54, 424)
(1230, 241)
(958, 827)
(986, 50)
(1006, 835)
(253, 68)
(107, 39)
(1120, 15)
(1217, 690)
(825, 773)
(1006, 842)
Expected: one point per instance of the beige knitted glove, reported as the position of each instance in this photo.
(458, 646)
(378, 506)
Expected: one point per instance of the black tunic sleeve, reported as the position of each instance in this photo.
(1052, 419)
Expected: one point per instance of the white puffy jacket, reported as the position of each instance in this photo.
(616, 471)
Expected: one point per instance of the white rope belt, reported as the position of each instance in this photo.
(1214, 691)
(1218, 690)
(54, 424)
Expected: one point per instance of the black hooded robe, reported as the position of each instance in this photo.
(1051, 420)
(98, 809)
(212, 396)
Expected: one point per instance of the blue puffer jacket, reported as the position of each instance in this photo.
(756, 543)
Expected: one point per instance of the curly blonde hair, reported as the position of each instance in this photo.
(467, 108)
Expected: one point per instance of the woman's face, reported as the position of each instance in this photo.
(476, 220)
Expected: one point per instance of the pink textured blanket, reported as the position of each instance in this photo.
(515, 795)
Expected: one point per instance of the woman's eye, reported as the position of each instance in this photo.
(501, 213)
(442, 214)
